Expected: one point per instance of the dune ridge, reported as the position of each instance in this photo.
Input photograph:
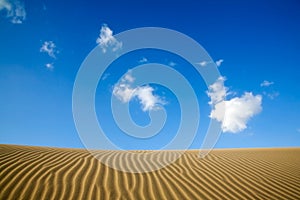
(55, 173)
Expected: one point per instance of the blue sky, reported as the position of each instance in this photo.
(43, 44)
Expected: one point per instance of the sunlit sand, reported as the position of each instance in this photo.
(56, 173)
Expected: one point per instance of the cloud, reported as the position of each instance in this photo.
(172, 64)
(238, 111)
(266, 83)
(219, 62)
(269, 91)
(147, 99)
(271, 95)
(49, 66)
(298, 130)
(125, 93)
(15, 10)
(107, 40)
(203, 63)
(234, 113)
(143, 60)
(105, 76)
(217, 91)
(50, 48)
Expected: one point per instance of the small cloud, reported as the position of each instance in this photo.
(269, 91)
(298, 130)
(172, 64)
(203, 63)
(125, 93)
(50, 48)
(266, 83)
(271, 95)
(105, 76)
(15, 10)
(49, 66)
(143, 60)
(234, 113)
(107, 40)
(219, 62)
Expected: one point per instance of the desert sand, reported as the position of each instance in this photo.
(56, 173)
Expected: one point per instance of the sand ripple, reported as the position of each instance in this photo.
(54, 173)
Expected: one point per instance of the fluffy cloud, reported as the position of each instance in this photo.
(217, 91)
(266, 83)
(147, 99)
(15, 10)
(107, 40)
(50, 48)
(234, 113)
(125, 92)
(219, 62)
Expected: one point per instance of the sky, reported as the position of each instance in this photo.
(254, 45)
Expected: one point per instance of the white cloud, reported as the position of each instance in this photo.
(125, 92)
(266, 83)
(234, 113)
(49, 66)
(298, 130)
(269, 91)
(128, 77)
(203, 63)
(172, 64)
(50, 48)
(147, 99)
(15, 10)
(219, 62)
(238, 111)
(105, 76)
(217, 91)
(143, 60)
(271, 95)
(4, 4)
(107, 40)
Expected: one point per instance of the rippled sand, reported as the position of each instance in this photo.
(55, 173)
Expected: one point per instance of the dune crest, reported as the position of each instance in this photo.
(56, 173)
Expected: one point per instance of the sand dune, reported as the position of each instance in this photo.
(54, 173)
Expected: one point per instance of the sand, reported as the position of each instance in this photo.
(56, 173)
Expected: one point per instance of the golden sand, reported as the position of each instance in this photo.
(55, 173)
